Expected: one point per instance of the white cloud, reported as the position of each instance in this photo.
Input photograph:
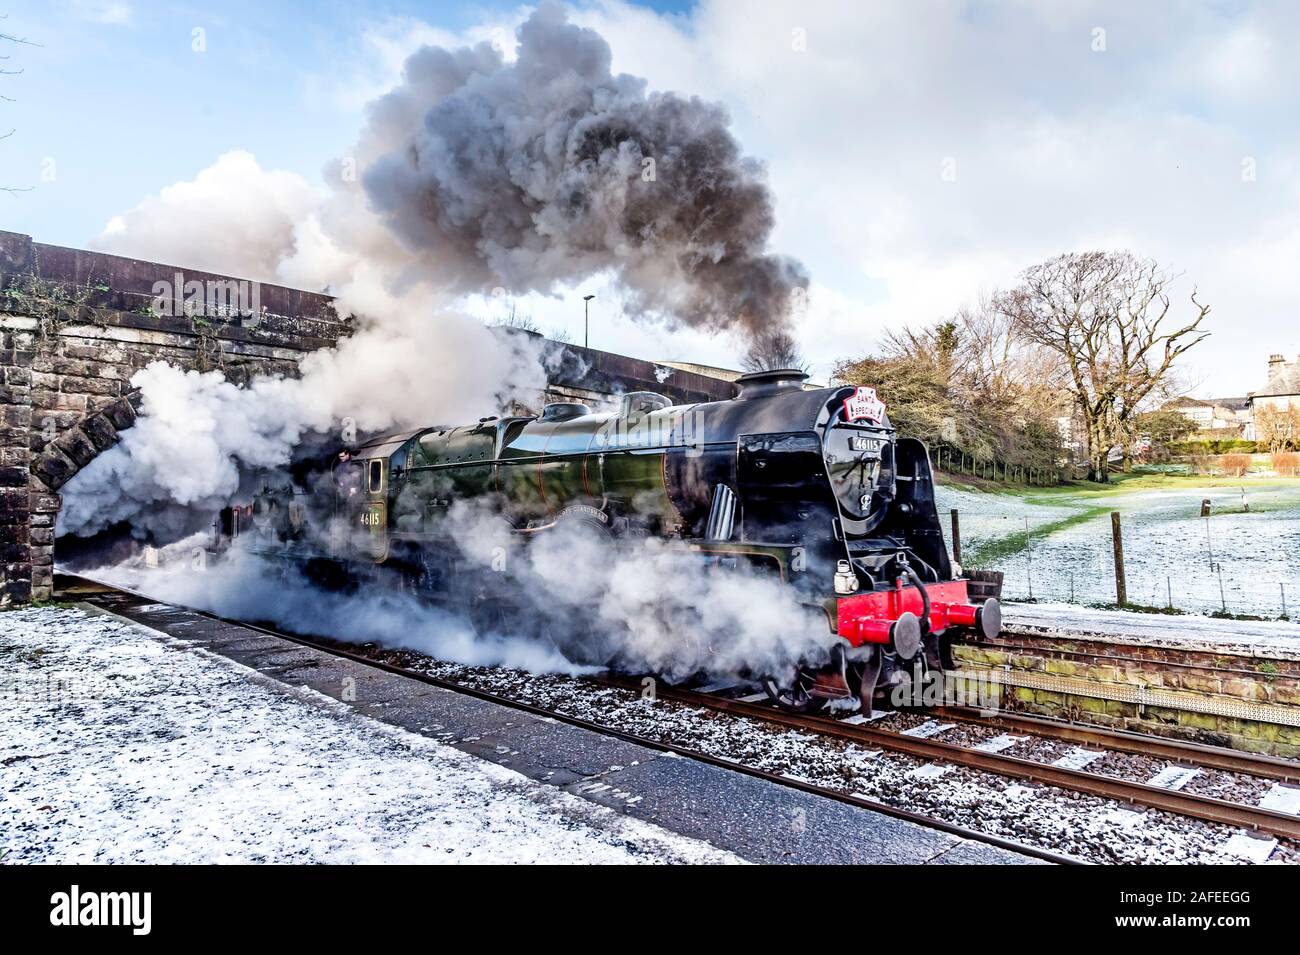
(1055, 147)
(234, 217)
(109, 12)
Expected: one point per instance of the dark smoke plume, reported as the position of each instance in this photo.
(548, 169)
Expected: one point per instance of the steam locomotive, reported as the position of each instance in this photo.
(812, 487)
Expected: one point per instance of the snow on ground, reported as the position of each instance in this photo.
(122, 746)
(1171, 554)
(988, 515)
(1273, 638)
(1072, 823)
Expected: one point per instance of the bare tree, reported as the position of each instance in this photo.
(970, 383)
(1277, 429)
(772, 351)
(1104, 314)
(516, 322)
(997, 362)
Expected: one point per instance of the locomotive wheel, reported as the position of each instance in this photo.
(795, 698)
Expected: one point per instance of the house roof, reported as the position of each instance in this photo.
(1254, 396)
(1231, 404)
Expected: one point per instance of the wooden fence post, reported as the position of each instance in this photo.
(1117, 536)
(956, 537)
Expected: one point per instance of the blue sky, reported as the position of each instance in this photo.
(116, 95)
(1057, 145)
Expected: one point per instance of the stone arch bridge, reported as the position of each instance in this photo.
(76, 325)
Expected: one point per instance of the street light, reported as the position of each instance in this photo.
(586, 313)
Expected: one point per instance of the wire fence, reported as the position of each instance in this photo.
(954, 461)
(1233, 563)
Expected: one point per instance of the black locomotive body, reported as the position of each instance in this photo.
(811, 486)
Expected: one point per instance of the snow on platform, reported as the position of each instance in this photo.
(1276, 638)
(122, 746)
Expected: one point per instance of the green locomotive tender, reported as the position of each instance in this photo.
(810, 486)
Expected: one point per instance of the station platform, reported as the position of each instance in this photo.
(219, 742)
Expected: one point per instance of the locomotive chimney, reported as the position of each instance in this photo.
(760, 384)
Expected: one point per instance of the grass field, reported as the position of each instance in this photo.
(1055, 543)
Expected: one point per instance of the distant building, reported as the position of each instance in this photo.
(1283, 389)
(1200, 413)
(1280, 394)
(1215, 417)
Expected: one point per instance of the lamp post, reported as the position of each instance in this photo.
(586, 315)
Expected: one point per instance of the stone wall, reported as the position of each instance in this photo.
(74, 327)
(599, 378)
(1235, 697)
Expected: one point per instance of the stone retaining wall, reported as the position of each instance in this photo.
(1255, 699)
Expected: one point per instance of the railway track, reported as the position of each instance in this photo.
(1205, 808)
(1177, 751)
(117, 599)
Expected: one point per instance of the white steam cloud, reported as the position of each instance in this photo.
(199, 437)
(234, 218)
(577, 606)
(474, 173)
(664, 610)
(248, 587)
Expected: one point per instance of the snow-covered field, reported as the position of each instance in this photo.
(121, 746)
(1171, 554)
(1277, 639)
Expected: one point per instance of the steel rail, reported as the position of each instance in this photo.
(1121, 741)
(1205, 808)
